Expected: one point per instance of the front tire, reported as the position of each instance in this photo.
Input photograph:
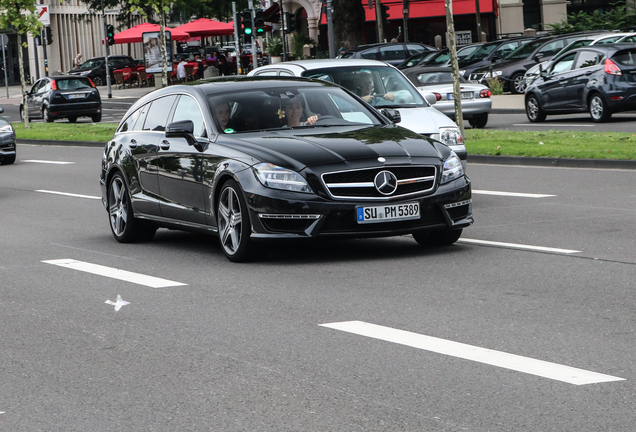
(479, 122)
(438, 238)
(234, 223)
(598, 109)
(124, 226)
(98, 81)
(518, 84)
(533, 110)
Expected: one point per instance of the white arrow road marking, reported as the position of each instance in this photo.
(110, 272)
(47, 162)
(470, 352)
(517, 246)
(69, 194)
(511, 194)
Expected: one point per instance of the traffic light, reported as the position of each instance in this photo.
(248, 27)
(259, 22)
(110, 34)
(384, 13)
(291, 22)
(47, 36)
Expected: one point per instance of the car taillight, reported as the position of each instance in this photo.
(484, 93)
(53, 85)
(92, 83)
(611, 68)
(438, 96)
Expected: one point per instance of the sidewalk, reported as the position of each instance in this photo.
(504, 104)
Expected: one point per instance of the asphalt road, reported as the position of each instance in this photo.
(620, 122)
(254, 347)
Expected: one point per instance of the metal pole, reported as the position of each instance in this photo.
(378, 21)
(405, 19)
(45, 43)
(237, 23)
(283, 22)
(4, 64)
(37, 63)
(110, 93)
(254, 52)
(478, 17)
(332, 41)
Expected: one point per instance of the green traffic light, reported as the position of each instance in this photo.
(248, 31)
(260, 30)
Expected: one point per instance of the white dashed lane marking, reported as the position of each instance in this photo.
(137, 278)
(511, 194)
(517, 246)
(69, 194)
(47, 162)
(501, 359)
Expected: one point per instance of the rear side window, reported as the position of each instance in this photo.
(552, 48)
(625, 57)
(587, 59)
(188, 109)
(395, 52)
(371, 54)
(158, 114)
(413, 49)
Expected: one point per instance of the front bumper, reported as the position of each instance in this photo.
(280, 216)
(470, 108)
(7, 144)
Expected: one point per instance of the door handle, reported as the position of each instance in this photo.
(133, 144)
(165, 145)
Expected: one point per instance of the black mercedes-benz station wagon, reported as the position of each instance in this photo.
(255, 159)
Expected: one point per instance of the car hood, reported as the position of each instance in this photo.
(424, 120)
(345, 146)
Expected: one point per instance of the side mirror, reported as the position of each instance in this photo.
(182, 129)
(1, 110)
(537, 58)
(392, 114)
(495, 57)
(430, 98)
(544, 73)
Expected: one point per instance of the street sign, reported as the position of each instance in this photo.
(4, 40)
(43, 14)
(115, 10)
(463, 37)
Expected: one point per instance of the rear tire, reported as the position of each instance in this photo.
(124, 226)
(437, 238)
(533, 110)
(479, 122)
(72, 119)
(517, 84)
(598, 109)
(96, 118)
(46, 115)
(233, 220)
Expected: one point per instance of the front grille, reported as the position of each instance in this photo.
(345, 221)
(286, 225)
(359, 183)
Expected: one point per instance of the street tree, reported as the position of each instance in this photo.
(161, 8)
(348, 22)
(22, 16)
(215, 9)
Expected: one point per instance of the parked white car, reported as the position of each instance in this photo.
(438, 81)
(382, 86)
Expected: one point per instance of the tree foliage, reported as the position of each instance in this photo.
(348, 22)
(22, 16)
(215, 9)
(619, 17)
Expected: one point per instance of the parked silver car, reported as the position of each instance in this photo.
(7, 141)
(382, 86)
(438, 81)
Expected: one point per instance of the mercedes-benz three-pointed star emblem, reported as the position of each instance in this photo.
(385, 182)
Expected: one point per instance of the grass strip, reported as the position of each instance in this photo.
(555, 144)
(66, 131)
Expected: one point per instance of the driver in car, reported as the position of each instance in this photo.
(365, 89)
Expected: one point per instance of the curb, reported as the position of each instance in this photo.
(62, 143)
(507, 111)
(553, 162)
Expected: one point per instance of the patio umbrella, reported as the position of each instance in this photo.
(133, 34)
(207, 27)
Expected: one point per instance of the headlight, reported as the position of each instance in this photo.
(276, 177)
(462, 72)
(453, 168)
(6, 129)
(492, 74)
(451, 136)
(84, 73)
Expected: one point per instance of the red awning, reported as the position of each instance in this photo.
(133, 34)
(425, 9)
(207, 27)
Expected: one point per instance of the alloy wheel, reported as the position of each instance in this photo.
(230, 221)
(519, 84)
(596, 107)
(118, 206)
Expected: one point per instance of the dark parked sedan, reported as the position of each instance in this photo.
(393, 52)
(59, 97)
(600, 79)
(95, 68)
(255, 159)
(7, 141)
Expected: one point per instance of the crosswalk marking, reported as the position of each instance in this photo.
(501, 359)
(114, 273)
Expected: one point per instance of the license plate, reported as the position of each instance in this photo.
(388, 213)
(465, 95)
(76, 96)
(474, 81)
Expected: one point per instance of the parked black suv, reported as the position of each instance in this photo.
(513, 67)
(600, 79)
(95, 68)
(393, 53)
(67, 96)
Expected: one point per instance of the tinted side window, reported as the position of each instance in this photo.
(158, 114)
(414, 49)
(372, 54)
(564, 65)
(587, 59)
(188, 109)
(552, 48)
(129, 123)
(505, 49)
(395, 52)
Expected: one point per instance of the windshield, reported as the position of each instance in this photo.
(482, 52)
(73, 84)
(288, 107)
(381, 86)
(573, 45)
(434, 78)
(92, 64)
(524, 50)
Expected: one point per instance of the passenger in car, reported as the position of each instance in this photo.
(293, 111)
(222, 114)
(364, 88)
